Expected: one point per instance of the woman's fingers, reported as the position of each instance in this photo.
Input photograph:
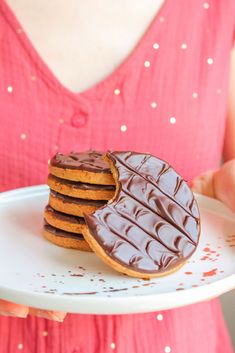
(204, 184)
(224, 184)
(48, 314)
(219, 184)
(11, 309)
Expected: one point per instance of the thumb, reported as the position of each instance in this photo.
(204, 184)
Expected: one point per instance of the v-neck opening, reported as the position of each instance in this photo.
(34, 54)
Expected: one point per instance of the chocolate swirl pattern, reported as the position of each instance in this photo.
(152, 225)
(91, 161)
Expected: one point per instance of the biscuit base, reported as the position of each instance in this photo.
(82, 175)
(67, 190)
(63, 224)
(70, 243)
(70, 208)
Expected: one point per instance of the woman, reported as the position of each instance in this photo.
(168, 97)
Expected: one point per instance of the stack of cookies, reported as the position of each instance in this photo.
(80, 183)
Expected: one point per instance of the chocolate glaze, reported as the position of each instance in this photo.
(83, 186)
(61, 233)
(152, 224)
(65, 217)
(77, 201)
(90, 161)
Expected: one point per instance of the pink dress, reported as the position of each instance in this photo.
(168, 98)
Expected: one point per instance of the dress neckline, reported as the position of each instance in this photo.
(48, 73)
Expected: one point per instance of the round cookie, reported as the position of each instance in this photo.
(73, 206)
(65, 239)
(64, 221)
(86, 167)
(152, 225)
(80, 190)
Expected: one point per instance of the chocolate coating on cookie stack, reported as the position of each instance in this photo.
(79, 183)
(152, 224)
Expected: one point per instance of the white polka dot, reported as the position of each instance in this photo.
(195, 95)
(159, 317)
(23, 136)
(123, 128)
(33, 78)
(117, 91)
(56, 148)
(19, 30)
(61, 121)
(9, 89)
(49, 161)
(156, 46)
(197, 156)
(172, 120)
(206, 5)
(184, 46)
(162, 19)
(147, 63)
(210, 61)
(218, 91)
(45, 333)
(154, 104)
(167, 349)
(20, 346)
(112, 345)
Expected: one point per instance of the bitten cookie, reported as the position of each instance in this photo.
(152, 224)
(65, 239)
(87, 167)
(72, 205)
(64, 221)
(80, 190)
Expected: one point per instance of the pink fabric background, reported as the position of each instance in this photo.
(171, 101)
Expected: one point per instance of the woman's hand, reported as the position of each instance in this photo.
(219, 184)
(17, 310)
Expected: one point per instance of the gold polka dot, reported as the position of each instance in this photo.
(184, 46)
(9, 89)
(23, 136)
(147, 63)
(218, 91)
(112, 345)
(159, 317)
(156, 46)
(162, 19)
(61, 120)
(167, 349)
(154, 104)
(206, 5)
(210, 61)
(48, 162)
(45, 333)
(117, 91)
(123, 128)
(195, 95)
(172, 120)
(20, 346)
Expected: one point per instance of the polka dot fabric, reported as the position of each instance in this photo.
(167, 98)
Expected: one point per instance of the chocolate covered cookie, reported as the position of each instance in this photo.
(80, 189)
(72, 205)
(87, 167)
(65, 239)
(152, 224)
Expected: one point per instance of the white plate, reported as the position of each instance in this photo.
(39, 274)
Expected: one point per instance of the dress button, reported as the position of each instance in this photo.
(79, 119)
